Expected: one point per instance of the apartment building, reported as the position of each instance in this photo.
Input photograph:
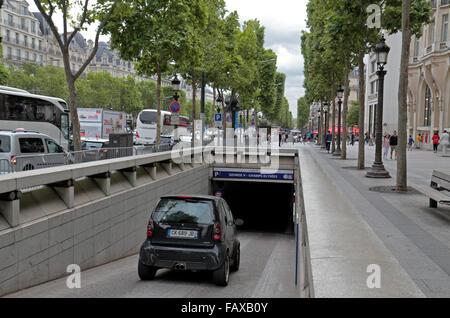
(23, 39)
(429, 76)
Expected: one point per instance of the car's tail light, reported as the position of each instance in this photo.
(217, 232)
(13, 160)
(150, 228)
(103, 150)
(137, 135)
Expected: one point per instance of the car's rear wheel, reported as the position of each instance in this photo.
(222, 275)
(146, 272)
(236, 259)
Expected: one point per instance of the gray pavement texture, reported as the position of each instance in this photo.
(266, 271)
(417, 236)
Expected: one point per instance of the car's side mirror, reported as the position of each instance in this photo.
(239, 222)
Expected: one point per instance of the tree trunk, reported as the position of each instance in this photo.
(74, 114)
(333, 119)
(345, 111)
(72, 102)
(213, 110)
(402, 98)
(158, 105)
(362, 99)
(194, 95)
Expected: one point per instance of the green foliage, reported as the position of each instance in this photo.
(353, 114)
(43, 80)
(280, 80)
(267, 72)
(302, 112)
(147, 89)
(420, 13)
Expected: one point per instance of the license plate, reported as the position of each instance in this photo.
(183, 234)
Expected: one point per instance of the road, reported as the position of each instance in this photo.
(267, 270)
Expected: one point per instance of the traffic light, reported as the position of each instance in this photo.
(232, 103)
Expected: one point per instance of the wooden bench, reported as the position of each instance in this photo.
(440, 181)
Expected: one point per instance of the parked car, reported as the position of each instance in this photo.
(29, 150)
(94, 149)
(191, 232)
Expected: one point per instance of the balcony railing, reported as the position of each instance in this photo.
(443, 45)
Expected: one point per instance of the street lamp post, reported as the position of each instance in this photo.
(325, 130)
(378, 170)
(176, 87)
(340, 92)
(318, 126)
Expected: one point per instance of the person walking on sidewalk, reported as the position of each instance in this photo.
(445, 141)
(328, 139)
(393, 142)
(410, 143)
(436, 139)
(386, 145)
(419, 141)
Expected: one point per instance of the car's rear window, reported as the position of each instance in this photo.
(5, 144)
(184, 211)
(90, 144)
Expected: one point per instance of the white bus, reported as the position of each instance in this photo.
(146, 126)
(43, 114)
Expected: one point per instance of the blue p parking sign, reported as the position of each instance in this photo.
(218, 117)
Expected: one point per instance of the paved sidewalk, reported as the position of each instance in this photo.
(418, 237)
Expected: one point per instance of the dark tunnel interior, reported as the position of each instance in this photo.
(265, 207)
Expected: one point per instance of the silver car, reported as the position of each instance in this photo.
(22, 150)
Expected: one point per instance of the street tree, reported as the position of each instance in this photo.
(154, 34)
(98, 13)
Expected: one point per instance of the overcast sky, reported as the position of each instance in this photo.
(283, 21)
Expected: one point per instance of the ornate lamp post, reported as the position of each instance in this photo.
(377, 170)
(325, 128)
(318, 127)
(340, 94)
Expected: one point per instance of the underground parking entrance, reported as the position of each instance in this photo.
(263, 205)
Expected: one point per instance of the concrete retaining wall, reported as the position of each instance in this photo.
(96, 231)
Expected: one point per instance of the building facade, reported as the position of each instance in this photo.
(23, 39)
(429, 76)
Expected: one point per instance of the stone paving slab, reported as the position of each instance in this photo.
(413, 233)
(342, 243)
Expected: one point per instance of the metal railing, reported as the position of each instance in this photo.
(33, 162)
(5, 166)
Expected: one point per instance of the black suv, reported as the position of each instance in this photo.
(191, 232)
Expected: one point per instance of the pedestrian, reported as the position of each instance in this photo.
(386, 145)
(279, 139)
(445, 141)
(436, 139)
(419, 141)
(393, 141)
(352, 142)
(367, 138)
(410, 143)
(328, 139)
